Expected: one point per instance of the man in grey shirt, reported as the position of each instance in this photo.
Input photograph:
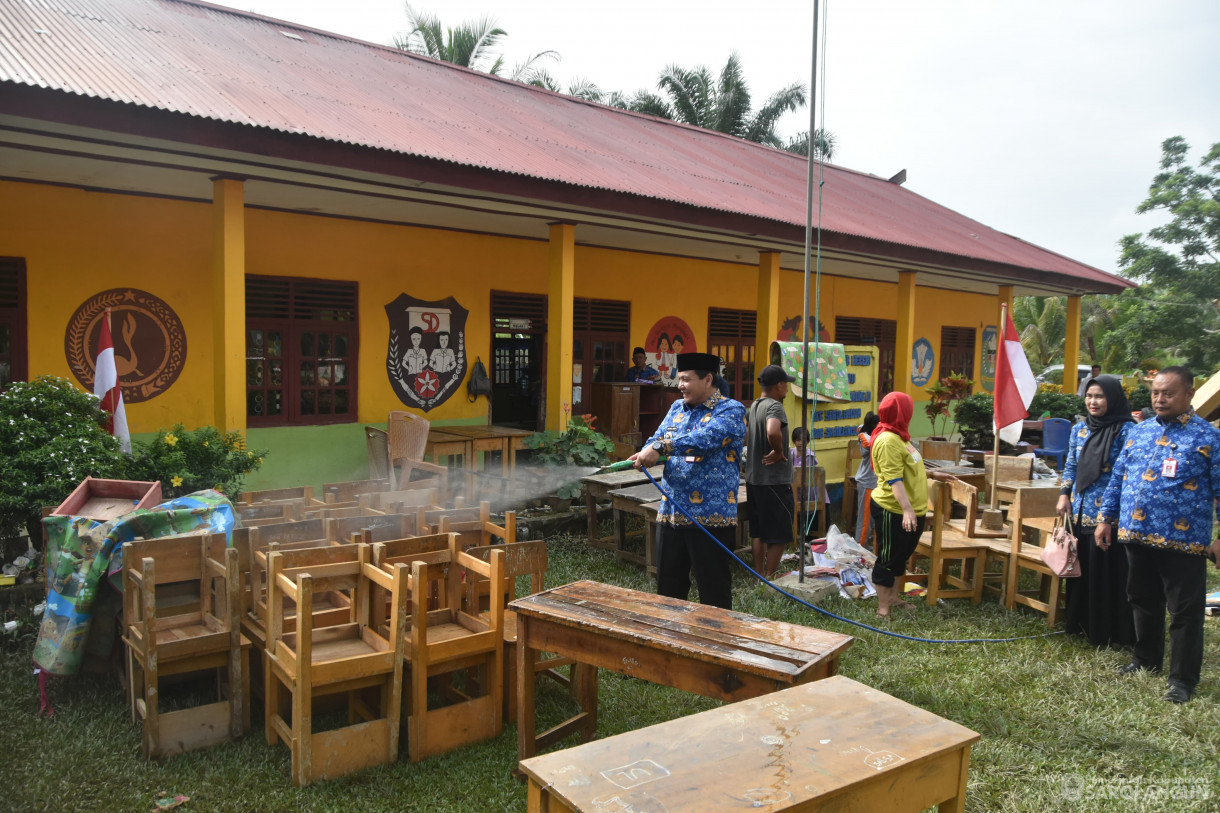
(768, 472)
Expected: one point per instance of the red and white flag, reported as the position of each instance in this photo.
(106, 386)
(1014, 384)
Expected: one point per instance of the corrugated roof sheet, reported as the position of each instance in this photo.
(224, 65)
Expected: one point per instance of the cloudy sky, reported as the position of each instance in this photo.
(1041, 118)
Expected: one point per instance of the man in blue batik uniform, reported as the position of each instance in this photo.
(1162, 496)
(702, 435)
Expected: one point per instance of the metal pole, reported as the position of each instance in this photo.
(813, 84)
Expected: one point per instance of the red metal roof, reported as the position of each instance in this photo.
(215, 63)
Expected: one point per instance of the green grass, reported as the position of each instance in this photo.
(1050, 711)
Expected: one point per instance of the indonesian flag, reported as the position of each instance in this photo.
(106, 386)
(1014, 384)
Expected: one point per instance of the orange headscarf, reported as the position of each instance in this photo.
(895, 412)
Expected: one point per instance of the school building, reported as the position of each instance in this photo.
(297, 232)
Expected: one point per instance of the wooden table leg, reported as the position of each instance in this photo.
(586, 695)
(591, 511)
(620, 533)
(527, 744)
(958, 803)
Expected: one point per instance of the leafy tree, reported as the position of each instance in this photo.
(824, 144)
(694, 96)
(1178, 266)
(470, 45)
(1042, 324)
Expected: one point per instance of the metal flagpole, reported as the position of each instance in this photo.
(813, 85)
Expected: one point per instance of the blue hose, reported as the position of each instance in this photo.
(798, 600)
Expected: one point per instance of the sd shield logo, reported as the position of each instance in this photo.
(427, 355)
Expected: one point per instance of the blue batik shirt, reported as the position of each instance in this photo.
(1087, 503)
(704, 467)
(1151, 509)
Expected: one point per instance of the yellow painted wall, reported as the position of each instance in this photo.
(77, 244)
(661, 286)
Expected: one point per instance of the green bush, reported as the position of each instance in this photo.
(186, 462)
(974, 416)
(1140, 397)
(52, 435)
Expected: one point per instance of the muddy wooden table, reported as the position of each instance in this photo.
(642, 501)
(834, 745)
(707, 650)
(493, 439)
(598, 488)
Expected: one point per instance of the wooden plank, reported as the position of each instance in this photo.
(193, 728)
(349, 749)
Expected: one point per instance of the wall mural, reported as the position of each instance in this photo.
(427, 353)
(987, 379)
(669, 337)
(149, 342)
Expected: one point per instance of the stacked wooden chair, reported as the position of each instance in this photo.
(522, 560)
(447, 642)
(353, 658)
(204, 638)
(472, 525)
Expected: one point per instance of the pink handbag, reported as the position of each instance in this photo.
(1060, 552)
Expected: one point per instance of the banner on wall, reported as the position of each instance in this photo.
(149, 342)
(426, 359)
(990, 343)
(923, 362)
(668, 337)
(846, 391)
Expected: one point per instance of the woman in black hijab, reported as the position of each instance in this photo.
(1097, 600)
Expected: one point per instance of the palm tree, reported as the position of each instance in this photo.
(469, 45)
(824, 144)
(1042, 323)
(694, 96)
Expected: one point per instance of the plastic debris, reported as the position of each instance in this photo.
(166, 801)
(10, 626)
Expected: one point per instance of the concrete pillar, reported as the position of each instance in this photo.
(1071, 345)
(904, 341)
(561, 275)
(767, 327)
(229, 303)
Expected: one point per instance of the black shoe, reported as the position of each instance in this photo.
(1178, 694)
(1133, 667)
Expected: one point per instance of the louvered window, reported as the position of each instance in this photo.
(601, 331)
(731, 335)
(882, 333)
(12, 321)
(301, 351)
(957, 351)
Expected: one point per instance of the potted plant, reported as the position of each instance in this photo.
(953, 387)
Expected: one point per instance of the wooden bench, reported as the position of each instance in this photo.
(836, 745)
(598, 488)
(707, 650)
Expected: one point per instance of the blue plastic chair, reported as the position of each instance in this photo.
(1055, 432)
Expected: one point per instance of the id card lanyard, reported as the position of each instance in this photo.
(1169, 466)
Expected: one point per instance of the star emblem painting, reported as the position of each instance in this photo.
(426, 359)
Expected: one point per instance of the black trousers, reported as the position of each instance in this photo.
(1157, 579)
(683, 548)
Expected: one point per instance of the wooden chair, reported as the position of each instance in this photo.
(941, 545)
(472, 525)
(370, 528)
(408, 437)
(161, 643)
(377, 443)
(261, 542)
(940, 450)
(521, 560)
(268, 513)
(997, 544)
(336, 510)
(349, 492)
(449, 641)
(1032, 503)
(847, 512)
(817, 508)
(303, 494)
(402, 501)
(351, 658)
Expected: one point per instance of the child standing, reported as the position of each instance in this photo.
(803, 456)
(866, 480)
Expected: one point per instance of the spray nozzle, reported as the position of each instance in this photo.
(623, 465)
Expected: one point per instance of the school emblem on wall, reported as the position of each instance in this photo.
(426, 360)
(149, 342)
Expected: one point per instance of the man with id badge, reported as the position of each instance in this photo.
(1162, 496)
(702, 438)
